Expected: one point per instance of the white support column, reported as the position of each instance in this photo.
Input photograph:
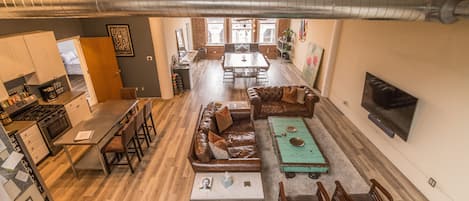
(329, 69)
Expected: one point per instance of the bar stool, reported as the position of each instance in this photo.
(140, 125)
(128, 93)
(119, 145)
(149, 116)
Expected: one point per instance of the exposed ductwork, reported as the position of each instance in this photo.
(447, 11)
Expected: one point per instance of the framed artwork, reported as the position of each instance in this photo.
(312, 63)
(121, 38)
(302, 31)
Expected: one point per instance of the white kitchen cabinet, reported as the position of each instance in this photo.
(78, 110)
(45, 55)
(15, 60)
(35, 144)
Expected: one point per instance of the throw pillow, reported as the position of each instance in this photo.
(300, 95)
(224, 120)
(289, 94)
(218, 146)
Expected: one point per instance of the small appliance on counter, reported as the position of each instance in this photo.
(5, 118)
(59, 89)
(48, 93)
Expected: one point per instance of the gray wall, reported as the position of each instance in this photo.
(63, 28)
(136, 71)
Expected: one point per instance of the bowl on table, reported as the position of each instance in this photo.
(297, 141)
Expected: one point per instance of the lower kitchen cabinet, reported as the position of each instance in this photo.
(35, 144)
(78, 110)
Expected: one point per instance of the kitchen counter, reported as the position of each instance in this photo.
(19, 125)
(64, 98)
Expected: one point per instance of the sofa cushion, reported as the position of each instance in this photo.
(244, 125)
(272, 108)
(223, 118)
(289, 94)
(218, 145)
(296, 107)
(300, 95)
(239, 138)
(247, 151)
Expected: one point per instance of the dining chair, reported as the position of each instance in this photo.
(140, 129)
(120, 145)
(241, 47)
(376, 193)
(128, 93)
(228, 73)
(321, 194)
(262, 73)
(254, 47)
(149, 118)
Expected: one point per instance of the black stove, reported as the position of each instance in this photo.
(37, 113)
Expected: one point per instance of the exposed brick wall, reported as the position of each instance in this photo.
(269, 50)
(199, 35)
(282, 25)
(215, 52)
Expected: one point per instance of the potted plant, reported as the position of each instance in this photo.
(288, 33)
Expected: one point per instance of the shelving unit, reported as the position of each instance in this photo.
(284, 49)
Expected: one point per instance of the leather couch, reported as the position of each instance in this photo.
(267, 101)
(240, 137)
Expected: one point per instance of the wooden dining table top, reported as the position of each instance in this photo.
(104, 118)
(244, 60)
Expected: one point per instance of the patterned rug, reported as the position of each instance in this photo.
(340, 167)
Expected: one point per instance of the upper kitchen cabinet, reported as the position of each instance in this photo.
(45, 56)
(15, 60)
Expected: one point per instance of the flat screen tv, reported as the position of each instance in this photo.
(389, 105)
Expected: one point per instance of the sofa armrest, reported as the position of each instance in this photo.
(222, 165)
(255, 101)
(310, 100)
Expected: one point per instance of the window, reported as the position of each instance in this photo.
(216, 30)
(267, 30)
(241, 30)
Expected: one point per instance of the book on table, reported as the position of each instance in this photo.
(84, 135)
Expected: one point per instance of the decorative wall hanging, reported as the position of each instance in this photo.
(312, 63)
(121, 38)
(302, 31)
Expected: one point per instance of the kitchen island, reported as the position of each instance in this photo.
(105, 121)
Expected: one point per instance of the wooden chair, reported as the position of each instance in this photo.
(262, 74)
(140, 129)
(120, 145)
(254, 47)
(228, 73)
(377, 193)
(321, 194)
(128, 93)
(149, 118)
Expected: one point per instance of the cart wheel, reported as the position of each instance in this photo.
(314, 175)
(290, 175)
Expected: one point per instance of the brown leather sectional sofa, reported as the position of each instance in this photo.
(266, 101)
(241, 141)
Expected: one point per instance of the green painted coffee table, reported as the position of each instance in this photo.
(308, 158)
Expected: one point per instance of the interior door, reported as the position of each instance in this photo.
(102, 67)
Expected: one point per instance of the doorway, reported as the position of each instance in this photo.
(76, 68)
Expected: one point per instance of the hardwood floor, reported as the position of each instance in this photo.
(165, 174)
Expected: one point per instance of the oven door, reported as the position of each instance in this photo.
(53, 127)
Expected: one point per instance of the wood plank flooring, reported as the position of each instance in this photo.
(165, 174)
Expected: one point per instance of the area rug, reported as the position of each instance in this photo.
(340, 167)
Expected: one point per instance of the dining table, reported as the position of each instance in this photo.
(246, 64)
(106, 119)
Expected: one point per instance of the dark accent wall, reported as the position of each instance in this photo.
(63, 28)
(136, 71)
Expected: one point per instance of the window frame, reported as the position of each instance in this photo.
(208, 43)
(233, 21)
(275, 22)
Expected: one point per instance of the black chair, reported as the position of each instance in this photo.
(321, 194)
(377, 193)
(149, 118)
(120, 145)
(140, 128)
(128, 93)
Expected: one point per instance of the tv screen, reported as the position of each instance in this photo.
(393, 107)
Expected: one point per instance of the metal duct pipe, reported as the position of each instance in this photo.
(411, 10)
